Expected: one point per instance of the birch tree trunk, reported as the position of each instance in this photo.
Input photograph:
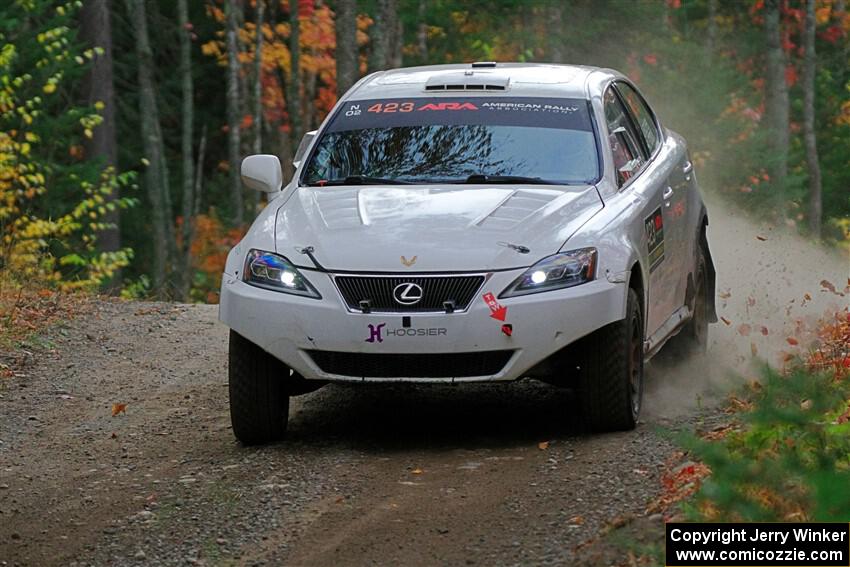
(156, 175)
(555, 39)
(293, 87)
(186, 142)
(712, 28)
(378, 45)
(422, 31)
(258, 80)
(346, 45)
(96, 31)
(233, 112)
(257, 147)
(776, 95)
(396, 38)
(809, 70)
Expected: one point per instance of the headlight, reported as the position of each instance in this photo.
(555, 272)
(270, 271)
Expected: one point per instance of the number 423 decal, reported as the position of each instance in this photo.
(392, 107)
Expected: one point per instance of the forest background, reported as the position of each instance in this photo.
(123, 124)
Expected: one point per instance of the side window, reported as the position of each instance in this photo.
(628, 157)
(642, 115)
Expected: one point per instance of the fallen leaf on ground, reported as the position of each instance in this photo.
(576, 520)
(744, 330)
(760, 237)
(543, 445)
(726, 321)
(764, 330)
(806, 405)
(417, 471)
(828, 285)
(754, 349)
(119, 408)
(792, 341)
(724, 295)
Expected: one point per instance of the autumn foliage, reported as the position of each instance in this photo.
(48, 241)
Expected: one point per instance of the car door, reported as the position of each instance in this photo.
(639, 172)
(675, 195)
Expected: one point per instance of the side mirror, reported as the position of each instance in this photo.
(303, 147)
(262, 172)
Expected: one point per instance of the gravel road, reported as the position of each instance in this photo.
(485, 475)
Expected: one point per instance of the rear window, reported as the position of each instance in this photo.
(457, 140)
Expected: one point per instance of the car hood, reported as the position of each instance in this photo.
(430, 228)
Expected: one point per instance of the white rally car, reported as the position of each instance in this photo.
(469, 223)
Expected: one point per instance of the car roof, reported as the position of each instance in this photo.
(509, 79)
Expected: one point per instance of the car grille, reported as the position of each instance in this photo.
(447, 365)
(436, 290)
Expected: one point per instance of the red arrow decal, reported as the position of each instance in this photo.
(496, 311)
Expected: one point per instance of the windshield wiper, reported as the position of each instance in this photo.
(358, 180)
(480, 178)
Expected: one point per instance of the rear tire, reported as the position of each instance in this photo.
(611, 373)
(259, 400)
(692, 340)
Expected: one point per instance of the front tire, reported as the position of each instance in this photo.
(259, 400)
(611, 372)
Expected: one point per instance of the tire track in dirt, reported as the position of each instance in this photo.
(404, 475)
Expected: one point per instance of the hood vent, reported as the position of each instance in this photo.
(467, 82)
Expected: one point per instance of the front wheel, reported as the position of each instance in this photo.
(259, 399)
(611, 372)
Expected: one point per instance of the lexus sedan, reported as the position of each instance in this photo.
(481, 222)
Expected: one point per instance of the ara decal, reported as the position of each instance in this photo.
(407, 262)
(654, 226)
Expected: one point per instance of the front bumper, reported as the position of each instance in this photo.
(290, 327)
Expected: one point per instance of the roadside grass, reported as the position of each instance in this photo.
(783, 455)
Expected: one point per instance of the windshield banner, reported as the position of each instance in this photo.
(562, 113)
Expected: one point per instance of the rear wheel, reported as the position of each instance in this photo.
(259, 399)
(611, 372)
(693, 338)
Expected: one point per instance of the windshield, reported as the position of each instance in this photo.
(457, 140)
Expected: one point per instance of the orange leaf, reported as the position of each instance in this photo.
(417, 471)
(754, 349)
(543, 445)
(828, 285)
(792, 341)
(119, 408)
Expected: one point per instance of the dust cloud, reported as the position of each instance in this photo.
(769, 286)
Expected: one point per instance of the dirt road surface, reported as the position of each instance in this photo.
(368, 476)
